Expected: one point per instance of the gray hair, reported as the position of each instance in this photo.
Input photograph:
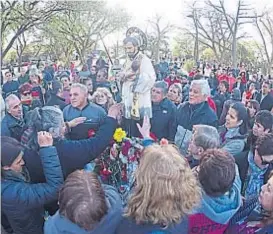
(48, 118)
(161, 85)
(206, 137)
(81, 86)
(205, 89)
(9, 98)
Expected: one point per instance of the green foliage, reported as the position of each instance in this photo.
(80, 28)
(18, 17)
(208, 54)
(11, 56)
(183, 45)
(189, 64)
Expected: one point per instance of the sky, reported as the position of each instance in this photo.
(174, 11)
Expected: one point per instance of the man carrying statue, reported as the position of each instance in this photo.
(137, 78)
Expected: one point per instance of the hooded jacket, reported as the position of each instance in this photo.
(213, 215)
(58, 224)
(231, 140)
(23, 202)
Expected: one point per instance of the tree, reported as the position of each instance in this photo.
(264, 26)
(158, 36)
(210, 31)
(20, 47)
(234, 21)
(83, 26)
(18, 17)
(183, 46)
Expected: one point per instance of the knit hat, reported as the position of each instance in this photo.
(10, 150)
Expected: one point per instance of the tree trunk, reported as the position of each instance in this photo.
(20, 62)
(234, 48)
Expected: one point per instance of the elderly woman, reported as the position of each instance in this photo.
(195, 111)
(175, 94)
(103, 98)
(165, 193)
(235, 130)
(73, 154)
(37, 91)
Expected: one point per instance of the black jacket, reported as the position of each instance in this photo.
(73, 154)
(55, 100)
(266, 103)
(162, 123)
(242, 88)
(219, 100)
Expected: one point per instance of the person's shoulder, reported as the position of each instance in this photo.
(210, 112)
(10, 190)
(183, 106)
(5, 120)
(67, 108)
(97, 108)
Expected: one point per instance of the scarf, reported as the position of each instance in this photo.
(17, 176)
(255, 178)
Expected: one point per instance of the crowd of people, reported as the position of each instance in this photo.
(207, 135)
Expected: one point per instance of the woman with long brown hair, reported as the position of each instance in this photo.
(165, 193)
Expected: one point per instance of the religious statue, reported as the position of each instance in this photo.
(137, 77)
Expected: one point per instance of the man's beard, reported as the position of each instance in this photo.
(131, 55)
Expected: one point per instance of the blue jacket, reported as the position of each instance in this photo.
(23, 203)
(94, 118)
(128, 225)
(47, 77)
(58, 224)
(12, 127)
(162, 123)
(91, 111)
(189, 115)
(10, 88)
(73, 155)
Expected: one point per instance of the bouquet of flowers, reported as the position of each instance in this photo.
(118, 162)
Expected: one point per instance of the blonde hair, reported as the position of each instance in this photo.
(107, 93)
(166, 189)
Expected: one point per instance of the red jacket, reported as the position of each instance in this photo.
(223, 77)
(192, 73)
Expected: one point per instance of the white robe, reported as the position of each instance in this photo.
(145, 82)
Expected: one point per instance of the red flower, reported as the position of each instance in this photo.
(91, 133)
(125, 148)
